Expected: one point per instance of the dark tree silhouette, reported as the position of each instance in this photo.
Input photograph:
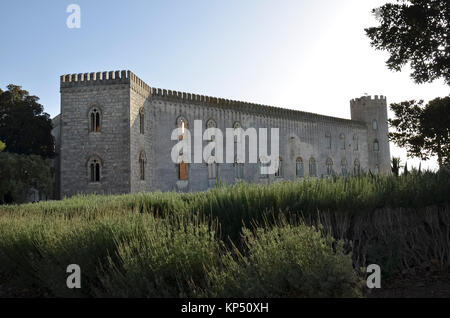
(415, 31)
(24, 127)
(424, 131)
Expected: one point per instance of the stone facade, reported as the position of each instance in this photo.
(121, 98)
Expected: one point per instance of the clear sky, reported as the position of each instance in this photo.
(310, 55)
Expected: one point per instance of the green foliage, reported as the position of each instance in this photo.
(176, 244)
(395, 166)
(24, 127)
(2, 146)
(20, 173)
(415, 31)
(423, 131)
(286, 261)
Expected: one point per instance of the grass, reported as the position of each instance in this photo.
(243, 240)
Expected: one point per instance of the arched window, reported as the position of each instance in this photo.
(355, 143)
(312, 167)
(142, 164)
(356, 168)
(94, 169)
(182, 166)
(212, 170)
(211, 123)
(377, 169)
(344, 167)
(328, 140)
(141, 120)
(94, 119)
(342, 141)
(279, 172)
(264, 168)
(238, 169)
(236, 125)
(299, 167)
(329, 167)
(376, 145)
(374, 125)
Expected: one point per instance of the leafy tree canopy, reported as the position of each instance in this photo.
(20, 173)
(415, 31)
(2, 146)
(423, 131)
(24, 126)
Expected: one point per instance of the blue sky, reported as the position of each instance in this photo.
(310, 55)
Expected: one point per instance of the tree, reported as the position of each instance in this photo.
(423, 131)
(2, 146)
(24, 127)
(396, 165)
(415, 31)
(20, 173)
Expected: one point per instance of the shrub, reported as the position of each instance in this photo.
(286, 261)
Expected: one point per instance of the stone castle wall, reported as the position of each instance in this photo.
(121, 96)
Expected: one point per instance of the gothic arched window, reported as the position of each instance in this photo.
(211, 123)
(94, 120)
(279, 172)
(182, 124)
(299, 167)
(355, 142)
(342, 141)
(142, 164)
(142, 120)
(374, 125)
(356, 167)
(329, 167)
(344, 167)
(312, 167)
(94, 169)
(328, 140)
(238, 169)
(376, 145)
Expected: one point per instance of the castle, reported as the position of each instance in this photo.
(113, 136)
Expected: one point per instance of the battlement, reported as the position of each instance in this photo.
(368, 99)
(128, 77)
(264, 110)
(98, 77)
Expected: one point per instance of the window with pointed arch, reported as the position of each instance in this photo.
(328, 140)
(342, 141)
(94, 119)
(264, 168)
(329, 167)
(212, 170)
(355, 143)
(356, 167)
(182, 124)
(94, 169)
(211, 123)
(237, 136)
(312, 167)
(374, 124)
(377, 169)
(238, 169)
(376, 146)
(344, 167)
(299, 167)
(142, 120)
(142, 164)
(279, 172)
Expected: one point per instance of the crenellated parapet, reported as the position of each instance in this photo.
(363, 100)
(98, 78)
(138, 85)
(253, 108)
